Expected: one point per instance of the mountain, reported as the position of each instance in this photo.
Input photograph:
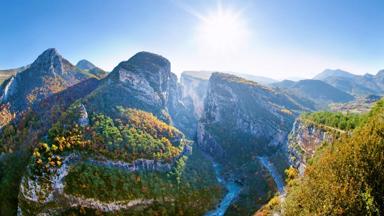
(5, 74)
(333, 73)
(50, 73)
(144, 82)
(359, 85)
(283, 84)
(259, 79)
(319, 90)
(91, 68)
(315, 94)
(206, 74)
(243, 122)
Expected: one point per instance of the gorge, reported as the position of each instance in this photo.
(136, 140)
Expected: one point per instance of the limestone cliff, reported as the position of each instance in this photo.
(305, 138)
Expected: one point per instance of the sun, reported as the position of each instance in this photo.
(223, 30)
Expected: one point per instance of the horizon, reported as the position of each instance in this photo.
(271, 39)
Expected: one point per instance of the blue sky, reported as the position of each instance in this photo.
(295, 38)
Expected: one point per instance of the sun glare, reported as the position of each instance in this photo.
(222, 31)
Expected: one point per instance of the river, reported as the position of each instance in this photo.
(273, 172)
(233, 191)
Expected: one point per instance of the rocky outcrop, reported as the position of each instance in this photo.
(305, 138)
(83, 119)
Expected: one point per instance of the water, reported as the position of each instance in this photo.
(275, 175)
(233, 191)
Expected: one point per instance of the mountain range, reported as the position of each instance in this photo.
(354, 84)
(75, 139)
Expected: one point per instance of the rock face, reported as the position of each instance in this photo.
(48, 74)
(144, 82)
(83, 120)
(243, 121)
(304, 139)
(194, 90)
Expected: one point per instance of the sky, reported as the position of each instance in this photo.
(274, 38)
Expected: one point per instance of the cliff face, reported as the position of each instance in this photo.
(305, 138)
(242, 121)
(234, 106)
(194, 90)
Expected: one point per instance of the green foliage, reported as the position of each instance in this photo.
(136, 135)
(140, 136)
(12, 166)
(338, 120)
(347, 178)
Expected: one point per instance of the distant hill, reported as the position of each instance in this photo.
(283, 84)
(360, 85)
(204, 75)
(91, 68)
(314, 93)
(259, 79)
(333, 73)
(5, 74)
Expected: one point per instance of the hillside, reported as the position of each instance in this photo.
(346, 175)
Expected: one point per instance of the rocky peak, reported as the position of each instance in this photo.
(50, 62)
(153, 68)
